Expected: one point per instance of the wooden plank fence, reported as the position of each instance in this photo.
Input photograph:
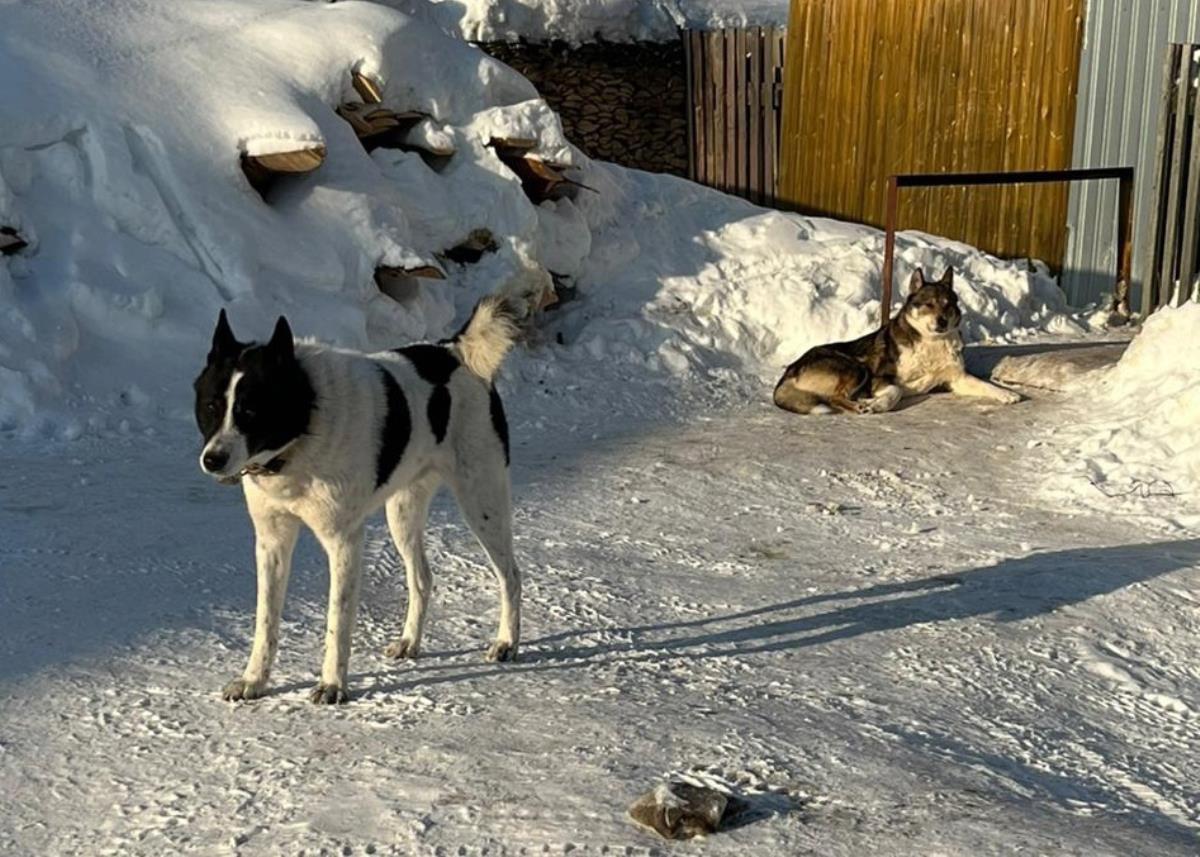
(735, 79)
(1175, 262)
(883, 87)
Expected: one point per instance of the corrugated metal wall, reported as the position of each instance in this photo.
(1120, 84)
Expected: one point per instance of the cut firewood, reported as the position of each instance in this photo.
(403, 284)
(419, 272)
(542, 180)
(367, 89)
(262, 170)
(563, 291)
(10, 241)
(513, 144)
(471, 250)
(549, 298)
(379, 127)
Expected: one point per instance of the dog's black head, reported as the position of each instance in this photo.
(932, 306)
(251, 400)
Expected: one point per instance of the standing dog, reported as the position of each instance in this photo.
(919, 351)
(323, 437)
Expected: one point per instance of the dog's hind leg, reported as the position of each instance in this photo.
(792, 398)
(483, 495)
(275, 534)
(406, 514)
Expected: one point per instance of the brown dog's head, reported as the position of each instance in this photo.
(932, 306)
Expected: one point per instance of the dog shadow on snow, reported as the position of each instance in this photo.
(1013, 590)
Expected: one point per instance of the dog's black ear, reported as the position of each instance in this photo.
(282, 345)
(948, 277)
(917, 281)
(224, 343)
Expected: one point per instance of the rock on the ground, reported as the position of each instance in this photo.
(679, 810)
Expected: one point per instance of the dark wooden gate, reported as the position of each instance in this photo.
(735, 82)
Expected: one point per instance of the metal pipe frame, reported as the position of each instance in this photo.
(1125, 175)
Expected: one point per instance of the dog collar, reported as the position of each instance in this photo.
(271, 468)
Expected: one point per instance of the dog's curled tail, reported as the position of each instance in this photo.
(487, 336)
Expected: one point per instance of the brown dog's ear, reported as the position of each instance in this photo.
(224, 343)
(282, 343)
(948, 277)
(916, 282)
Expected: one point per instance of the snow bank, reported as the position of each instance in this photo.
(119, 163)
(578, 21)
(1135, 447)
(687, 280)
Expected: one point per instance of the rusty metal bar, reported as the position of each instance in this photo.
(1124, 214)
(1124, 247)
(889, 247)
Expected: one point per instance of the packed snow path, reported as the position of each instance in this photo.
(874, 623)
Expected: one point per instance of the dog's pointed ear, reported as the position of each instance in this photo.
(224, 343)
(282, 345)
(948, 277)
(916, 282)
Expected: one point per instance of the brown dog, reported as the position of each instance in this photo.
(918, 351)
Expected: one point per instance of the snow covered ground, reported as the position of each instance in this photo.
(914, 634)
(871, 622)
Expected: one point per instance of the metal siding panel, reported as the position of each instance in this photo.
(1116, 120)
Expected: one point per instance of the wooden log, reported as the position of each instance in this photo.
(403, 284)
(10, 241)
(379, 127)
(511, 146)
(368, 90)
(562, 291)
(262, 170)
(471, 250)
(542, 180)
(421, 272)
(549, 298)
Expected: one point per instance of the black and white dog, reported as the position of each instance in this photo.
(323, 436)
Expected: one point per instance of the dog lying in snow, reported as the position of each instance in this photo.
(323, 437)
(918, 351)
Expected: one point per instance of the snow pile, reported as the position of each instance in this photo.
(119, 164)
(684, 279)
(578, 21)
(1136, 448)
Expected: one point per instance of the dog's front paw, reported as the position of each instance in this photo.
(241, 688)
(328, 694)
(501, 652)
(1008, 397)
(402, 648)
